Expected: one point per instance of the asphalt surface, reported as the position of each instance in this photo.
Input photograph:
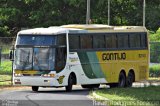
(46, 97)
(24, 96)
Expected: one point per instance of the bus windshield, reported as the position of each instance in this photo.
(38, 55)
(35, 58)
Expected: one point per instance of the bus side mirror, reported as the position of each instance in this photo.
(11, 55)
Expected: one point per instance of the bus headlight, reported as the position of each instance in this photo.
(48, 75)
(17, 75)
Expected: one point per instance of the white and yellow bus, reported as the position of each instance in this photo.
(87, 55)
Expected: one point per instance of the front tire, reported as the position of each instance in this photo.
(35, 88)
(122, 80)
(70, 84)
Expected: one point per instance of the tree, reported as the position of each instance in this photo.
(17, 14)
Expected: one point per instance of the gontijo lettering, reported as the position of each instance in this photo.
(113, 56)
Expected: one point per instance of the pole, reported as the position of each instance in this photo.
(108, 12)
(88, 12)
(144, 10)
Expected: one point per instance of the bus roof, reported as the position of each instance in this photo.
(44, 31)
(51, 31)
(80, 28)
(106, 28)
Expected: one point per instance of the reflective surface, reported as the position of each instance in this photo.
(36, 40)
(35, 59)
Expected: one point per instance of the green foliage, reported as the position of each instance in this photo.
(155, 46)
(6, 79)
(6, 67)
(154, 71)
(4, 31)
(17, 14)
(154, 52)
(155, 36)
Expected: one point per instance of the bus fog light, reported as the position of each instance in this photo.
(48, 75)
(52, 75)
(17, 75)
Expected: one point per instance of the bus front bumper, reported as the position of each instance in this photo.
(36, 81)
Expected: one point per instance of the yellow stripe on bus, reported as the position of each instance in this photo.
(26, 72)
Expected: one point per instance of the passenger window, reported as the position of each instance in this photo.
(143, 40)
(135, 40)
(86, 41)
(74, 42)
(111, 41)
(122, 41)
(98, 41)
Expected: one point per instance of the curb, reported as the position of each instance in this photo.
(99, 100)
(98, 97)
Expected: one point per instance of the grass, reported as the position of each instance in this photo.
(5, 83)
(6, 67)
(6, 79)
(154, 79)
(144, 95)
(5, 72)
(154, 71)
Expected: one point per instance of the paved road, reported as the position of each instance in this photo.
(51, 96)
(46, 97)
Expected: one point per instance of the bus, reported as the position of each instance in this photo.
(77, 54)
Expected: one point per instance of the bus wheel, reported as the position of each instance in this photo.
(122, 80)
(70, 83)
(130, 79)
(35, 88)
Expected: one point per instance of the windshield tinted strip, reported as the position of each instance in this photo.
(38, 40)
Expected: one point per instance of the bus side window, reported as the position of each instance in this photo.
(74, 42)
(61, 53)
(143, 40)
(123, 41)
(98, 42)
(86, 41)
(134, 40)
(111, 41)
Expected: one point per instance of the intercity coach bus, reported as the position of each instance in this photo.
(86, 55)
